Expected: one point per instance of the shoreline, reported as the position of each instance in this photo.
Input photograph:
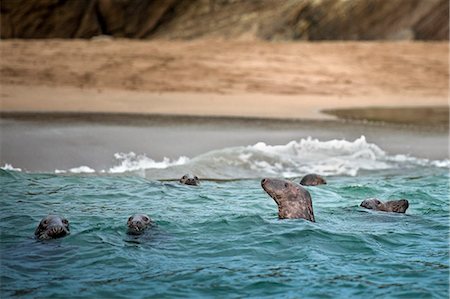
(142, 119)
(23, 101)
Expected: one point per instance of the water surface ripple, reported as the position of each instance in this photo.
(223, 239)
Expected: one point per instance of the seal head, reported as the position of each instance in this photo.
(189, 179)
(138, 223)
(292, 199)
(52, 227)
(396, 206)
(312, 179)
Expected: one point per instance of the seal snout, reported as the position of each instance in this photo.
(272, 186)
(136, 225)
(267, 186)
(190, 182)
(56, 232)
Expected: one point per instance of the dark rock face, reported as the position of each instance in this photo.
(81, 18)
(263, 19)
(363, 20)
(434, 24)
(47, 19)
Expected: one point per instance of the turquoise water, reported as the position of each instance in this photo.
(223, 238)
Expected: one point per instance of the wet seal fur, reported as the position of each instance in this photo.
(138, 223)
(293, 200)
(189, 179)
(312, 179)
(396, 206)
(52, 227)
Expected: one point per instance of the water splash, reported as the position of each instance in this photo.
(333, 157)
(296, 158)
(132, 162)
(10, 167)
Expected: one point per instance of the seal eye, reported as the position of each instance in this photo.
(286, 185)
(65, 221)
(130, 219)
(184, 177)
(145, 219)
(196, 178)
(45, 222)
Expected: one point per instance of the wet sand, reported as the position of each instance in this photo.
(74, 100)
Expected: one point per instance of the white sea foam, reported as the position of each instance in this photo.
(10, 167)
(333, 157)
(132, 162)
(296, 158)
(82, 169)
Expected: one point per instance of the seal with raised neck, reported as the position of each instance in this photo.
(293, 200)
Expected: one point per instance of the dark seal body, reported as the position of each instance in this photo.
(189, 179)
(396, 206)
(312, 179)
(138, 223)
(52, 227)
(292, 199)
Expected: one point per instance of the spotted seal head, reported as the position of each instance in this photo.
(138, 223)
(52, 227)
(189, 179)
(293, 200)
(396, 206)
(312, 179)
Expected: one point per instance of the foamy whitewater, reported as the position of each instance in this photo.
(332, 157)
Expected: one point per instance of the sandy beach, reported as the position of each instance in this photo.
(226, 78)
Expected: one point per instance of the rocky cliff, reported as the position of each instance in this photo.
(244, 19)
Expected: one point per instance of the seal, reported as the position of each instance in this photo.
(189, 179)
(293, 200)
(312, 179)
(52, 227)
(396, 206)
(138, 223)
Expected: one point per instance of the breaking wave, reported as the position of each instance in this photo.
(333, 157)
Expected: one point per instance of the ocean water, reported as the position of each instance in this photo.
(222, 239)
